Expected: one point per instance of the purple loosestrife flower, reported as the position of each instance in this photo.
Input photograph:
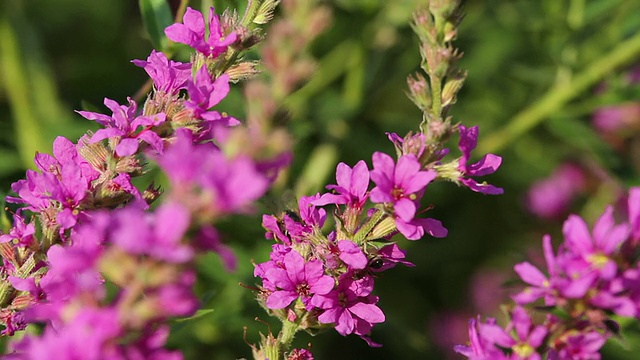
(540, 285)
(60, 188)
(192, 33)
(168, 76)
(205, 93)
(479, 348)
(399, 184)
(402, 185)
(579, 345)
(527, 339)
(21, 233)
(351, 307)
(352, 255)
(487, 165)
(597, 250)
(297, 279)
(351, 189)
(123, 124)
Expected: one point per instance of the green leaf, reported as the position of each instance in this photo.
(200, 313)
(156, 16)
(576, 133)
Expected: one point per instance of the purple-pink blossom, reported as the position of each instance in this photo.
(192, 32)
(351, 188)
(168, 76)
(297, 279)
(205, 93)
(123, 126)
(350, 307)
(485, 166)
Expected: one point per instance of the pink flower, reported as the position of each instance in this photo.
(487, 165)
(402, 185)
(297, 279)
(352, 186)
(168, 76)
(350, 307)
(192, 33)
(123, 125)
(399, 184)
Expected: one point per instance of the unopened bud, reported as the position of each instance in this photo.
(243, 71)
(419, 91)
(383, 228)
(451, 89)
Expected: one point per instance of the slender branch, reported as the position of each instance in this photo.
(559, 95)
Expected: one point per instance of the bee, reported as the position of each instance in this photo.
(376, 262)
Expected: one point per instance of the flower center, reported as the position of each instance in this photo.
(598, 260)
(523, 350)
(397, 193)
(303, 289)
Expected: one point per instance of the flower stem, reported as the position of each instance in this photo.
(559, 95)
(288, 332)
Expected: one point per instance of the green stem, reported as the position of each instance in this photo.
(436, 97)
(251, 12)
(559, 95)
(287, 334)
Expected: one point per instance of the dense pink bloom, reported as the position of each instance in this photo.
(123, 126)
(487, 165)
(296, 279)
(63, 183)
(192, 32)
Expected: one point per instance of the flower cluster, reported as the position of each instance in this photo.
(330, 249)
(593, 276)
(316, 279)
(104, 273)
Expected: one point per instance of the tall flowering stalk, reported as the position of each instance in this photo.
(87, 256)
(328, 251)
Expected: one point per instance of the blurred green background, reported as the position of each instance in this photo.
(536, 75)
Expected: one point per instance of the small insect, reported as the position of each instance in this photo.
(375, 263)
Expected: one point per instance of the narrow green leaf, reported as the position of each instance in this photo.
(200, 313)
(29, 136)
(156, 16)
